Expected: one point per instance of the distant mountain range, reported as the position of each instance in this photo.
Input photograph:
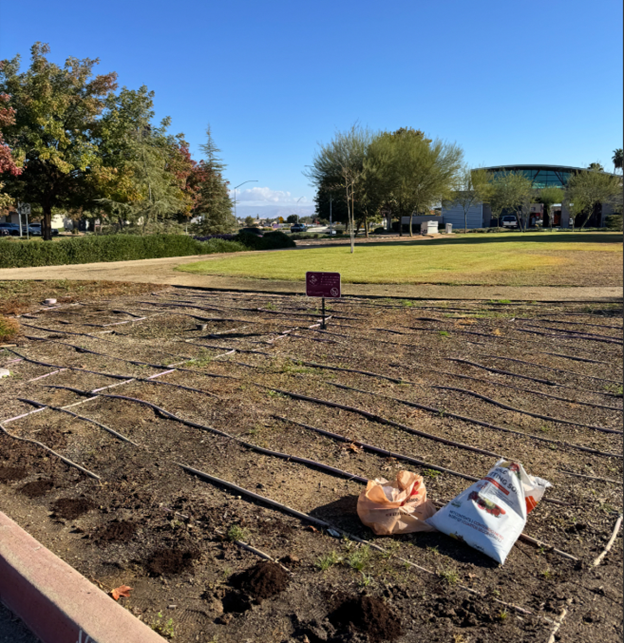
(272, 211)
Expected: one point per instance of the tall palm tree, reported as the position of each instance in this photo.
(618, 156)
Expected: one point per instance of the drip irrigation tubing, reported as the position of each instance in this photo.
(487, 425)
(501, 372)
(577, 332)
(568, 336)
(67, 461)
(527, 390)
(209, 429)
(552, 368)
(549, 418)
(576, 359)
(60, 409)
(557, 321)
(381, 420)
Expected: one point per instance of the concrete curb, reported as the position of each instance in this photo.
(56, 603)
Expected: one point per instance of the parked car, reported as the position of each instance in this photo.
(37, 230)
(298, 227)
(13, 230)
(509, 221)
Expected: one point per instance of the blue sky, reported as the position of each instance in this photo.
(511, 82)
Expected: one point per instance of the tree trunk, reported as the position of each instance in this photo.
(411, 216)
(465, 221)
(46, 224)
(365, 226)
(350, 219)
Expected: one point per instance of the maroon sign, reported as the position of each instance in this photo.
(323, 284)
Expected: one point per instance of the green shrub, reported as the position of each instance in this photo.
(16, 253)
(270, 241)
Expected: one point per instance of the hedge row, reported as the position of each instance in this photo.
(21, 254)
(270, 241)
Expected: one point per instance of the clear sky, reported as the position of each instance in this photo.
(530, 81)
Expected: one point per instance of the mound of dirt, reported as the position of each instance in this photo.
(369, 615)
(170, 561)
(261, 581)
(117, 531)
(70, 508)
(7, 474)
(37, 488)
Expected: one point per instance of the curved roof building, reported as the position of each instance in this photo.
(541, 176)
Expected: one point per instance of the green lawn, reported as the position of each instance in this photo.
(514, 259)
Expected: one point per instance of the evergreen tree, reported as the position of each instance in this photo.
(215, 204)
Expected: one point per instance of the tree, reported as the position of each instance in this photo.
(511, 191)
(7, 160)
(590, 188)
(250, 221)
(292, 218)
(215, 204)
(597, 167)
(472, 187)
(56, 112)
(548, 197)
(339, 165)
(419, 172)
(618, 158)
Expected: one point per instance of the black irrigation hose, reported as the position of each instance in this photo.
(557, 321)
(487, 425)
(527, 390)
(576, 359)
(67, 461)
(203, 427)
(66, 332)
(382, 420)
(576, 332)
(137, 362)
(60, 409)
(568, 336)
(380, 451)
(501, 372)
(552, 368)
(516, 410)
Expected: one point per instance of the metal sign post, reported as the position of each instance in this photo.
(23, 209)
(323, 284)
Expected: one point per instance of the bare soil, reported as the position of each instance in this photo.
(240, 358)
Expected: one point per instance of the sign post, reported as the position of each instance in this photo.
(323, 284)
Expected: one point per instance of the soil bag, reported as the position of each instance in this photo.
(398, 507)
(491, 514)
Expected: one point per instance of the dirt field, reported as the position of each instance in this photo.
(228, 374)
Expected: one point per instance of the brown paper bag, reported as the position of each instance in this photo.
(398, 507)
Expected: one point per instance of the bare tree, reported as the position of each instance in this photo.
(472, 187)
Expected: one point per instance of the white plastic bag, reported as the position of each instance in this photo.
(490, 515)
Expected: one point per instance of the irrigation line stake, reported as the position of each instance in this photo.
(325, 525)
(254, 550)
(559, 622)
(67, 461)
(607, 549)
(580, 475)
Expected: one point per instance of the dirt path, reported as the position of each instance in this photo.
(162, 271)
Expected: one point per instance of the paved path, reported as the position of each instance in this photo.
(161, 271)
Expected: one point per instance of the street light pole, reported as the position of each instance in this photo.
(236, 188)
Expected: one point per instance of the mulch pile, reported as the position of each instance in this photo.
(261, 581)
(70, 508)
(170, 561)
(119, 531)
(37, 488)
(370, 615)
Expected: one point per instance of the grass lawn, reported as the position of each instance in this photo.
(566, 259)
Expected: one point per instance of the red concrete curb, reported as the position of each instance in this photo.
(56, 603)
